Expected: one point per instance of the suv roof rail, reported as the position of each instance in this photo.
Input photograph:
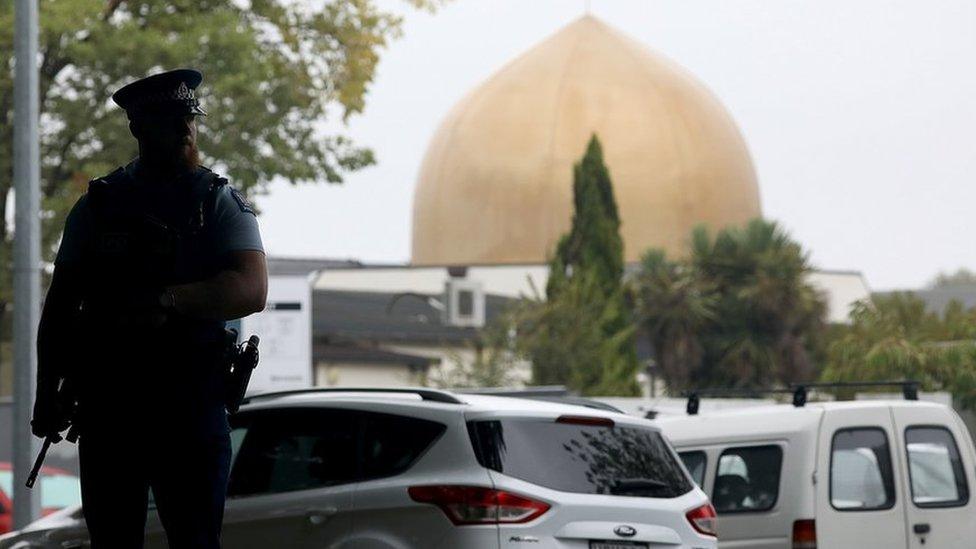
(799, 391)
(528, 391)
(432, 395)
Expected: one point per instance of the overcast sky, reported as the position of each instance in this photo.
(860, 116)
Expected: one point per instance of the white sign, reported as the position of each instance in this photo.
(285, 329)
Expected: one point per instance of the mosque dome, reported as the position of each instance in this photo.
(496, 183)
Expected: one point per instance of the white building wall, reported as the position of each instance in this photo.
(340, 374)
(503, 280)
(841, 288)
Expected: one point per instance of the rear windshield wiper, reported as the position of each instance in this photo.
(631, 485)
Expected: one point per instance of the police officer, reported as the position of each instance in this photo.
(154, 258)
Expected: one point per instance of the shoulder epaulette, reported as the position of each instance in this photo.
(101, 184)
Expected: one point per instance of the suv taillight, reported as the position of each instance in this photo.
(805, 534)
(703, 520)
(479, 505)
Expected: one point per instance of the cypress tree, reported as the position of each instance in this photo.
(593, 243)
(585, 333)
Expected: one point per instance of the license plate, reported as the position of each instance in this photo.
(618, 545)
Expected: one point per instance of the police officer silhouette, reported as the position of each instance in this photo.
(154, 258)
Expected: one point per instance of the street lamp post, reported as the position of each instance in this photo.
(27, 254)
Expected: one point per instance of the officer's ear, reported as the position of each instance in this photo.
(135, 128)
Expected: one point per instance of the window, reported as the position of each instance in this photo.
(580, 458)
(747, 479)
(935, 468)
(465, 303)
(695, 463)
(393, 443)
(299, 449)
(861, 477)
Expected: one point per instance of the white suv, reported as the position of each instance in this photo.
(372, 469)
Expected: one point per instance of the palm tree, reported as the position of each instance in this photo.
(673, 307)
(738, 312)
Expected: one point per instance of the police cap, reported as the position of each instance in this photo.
(168, 92)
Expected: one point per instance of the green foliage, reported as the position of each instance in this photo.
(582, 335)
(496, 361)
(577, 339)
(593, 242)
(962, 277)
(276, 74)
(675, 307)
(738, 312)
(893, 337)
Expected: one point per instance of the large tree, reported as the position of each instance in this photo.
(737, 312)
(279, 79)
(582, 335)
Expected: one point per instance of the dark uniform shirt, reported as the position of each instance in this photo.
(158, 378)
(236, 226)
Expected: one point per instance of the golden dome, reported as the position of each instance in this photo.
(496, 183)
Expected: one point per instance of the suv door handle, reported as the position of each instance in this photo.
(316, 517)
(922, 528)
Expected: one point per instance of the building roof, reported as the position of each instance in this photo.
(287, 266)
(936, 299)
(391, 317)
(496, 186)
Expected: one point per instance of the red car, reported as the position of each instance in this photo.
(59, 489)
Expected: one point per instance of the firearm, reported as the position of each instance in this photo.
(241, 360)
(69, 403)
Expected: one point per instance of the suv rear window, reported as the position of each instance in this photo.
(585, 459)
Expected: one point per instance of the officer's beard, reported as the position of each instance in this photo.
(179, 159)
(188, 158)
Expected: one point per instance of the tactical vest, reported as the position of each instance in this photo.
(141, 243)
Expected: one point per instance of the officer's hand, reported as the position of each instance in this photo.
(50, 417)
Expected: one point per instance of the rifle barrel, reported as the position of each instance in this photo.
(32, 477)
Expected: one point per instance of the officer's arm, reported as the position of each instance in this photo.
(238, 290)
(63, 299)
(61, 304)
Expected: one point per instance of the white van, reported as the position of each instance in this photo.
(884, 474)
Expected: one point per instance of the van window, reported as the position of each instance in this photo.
(579, 458)
(861, 477)
(695, 463)
(747, 479)
(935, 468)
